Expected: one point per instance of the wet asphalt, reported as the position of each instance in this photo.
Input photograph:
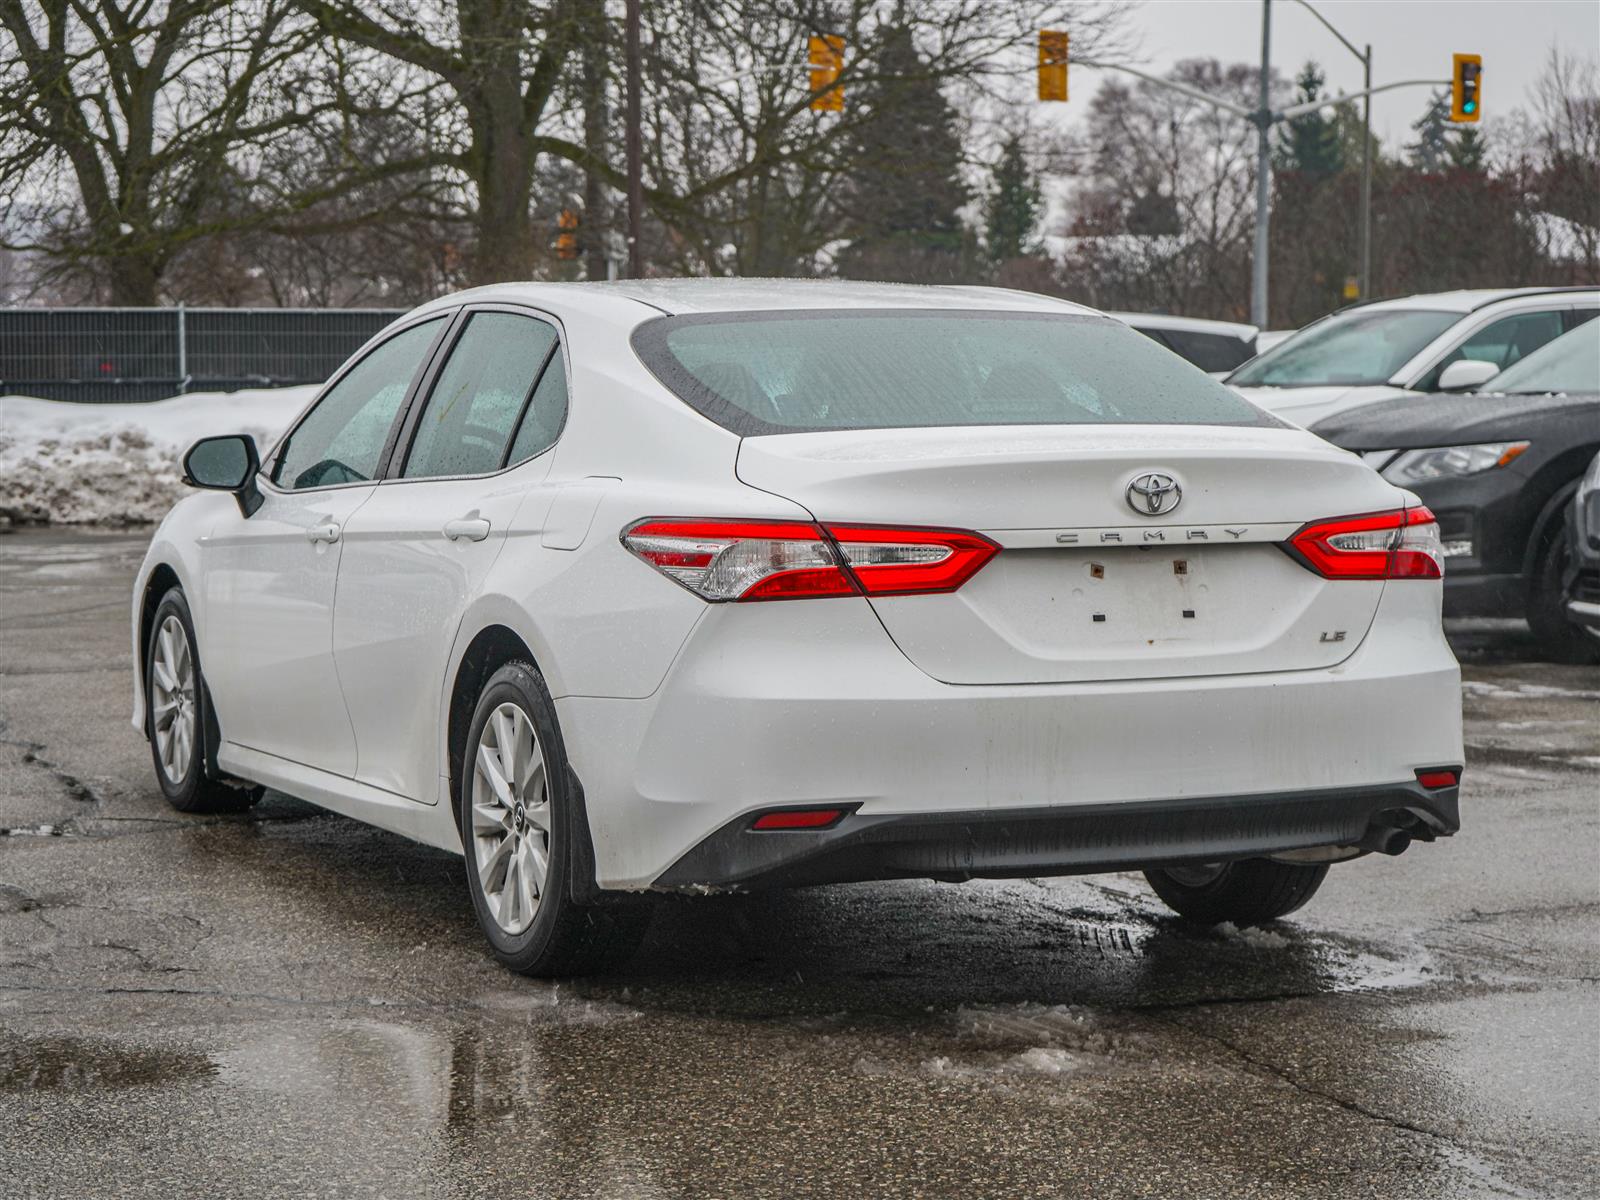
(288, 1003)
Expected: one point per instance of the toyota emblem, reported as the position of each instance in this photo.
(1153, 494)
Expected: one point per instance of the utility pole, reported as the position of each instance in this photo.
(1365, 278)
(634, 147)
(1263, 119)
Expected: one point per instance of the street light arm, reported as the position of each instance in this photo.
(1327, 24)
(1192, 93)
(1300, 110)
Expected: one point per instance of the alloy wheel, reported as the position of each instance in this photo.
(174, 712)
(510, 818)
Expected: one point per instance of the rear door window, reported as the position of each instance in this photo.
(473, 412)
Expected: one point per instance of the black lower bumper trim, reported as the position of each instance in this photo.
(1066, 840)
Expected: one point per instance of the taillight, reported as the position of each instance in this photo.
(794, 560)
(1403, 544)
(900, 562)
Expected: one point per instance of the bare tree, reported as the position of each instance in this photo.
(119, 124)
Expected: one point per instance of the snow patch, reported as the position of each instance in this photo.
(1261, 939)
(1524, 691)
(118, 464)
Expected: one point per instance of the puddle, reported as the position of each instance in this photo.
(79, 1064)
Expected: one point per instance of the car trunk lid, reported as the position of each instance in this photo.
(1086, 587)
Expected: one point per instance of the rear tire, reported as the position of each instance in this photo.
(1559, 638)
(1250, 892)
(177, 707)
(518, 820)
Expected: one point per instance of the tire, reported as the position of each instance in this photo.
(178, 719)
(1558, 638)
(1250, 892)
(520, 855)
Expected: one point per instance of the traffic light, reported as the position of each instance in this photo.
(827, 60)
(1053, 64)
(1464, 87)
(567, 235)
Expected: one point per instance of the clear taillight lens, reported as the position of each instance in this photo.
(1403, 544)
(791, 560)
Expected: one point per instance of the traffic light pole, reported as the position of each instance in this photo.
(1263, 120)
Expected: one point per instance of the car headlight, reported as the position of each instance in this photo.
(1450, 462)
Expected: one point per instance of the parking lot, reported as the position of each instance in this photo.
(289, 1003)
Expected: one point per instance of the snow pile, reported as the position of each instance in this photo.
(118, 464)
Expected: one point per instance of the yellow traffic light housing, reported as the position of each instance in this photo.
(567, 235)
(1465, 89)
(827, 60)
(1053, 64)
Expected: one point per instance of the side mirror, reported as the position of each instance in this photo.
(1465, 374)
(226, 464)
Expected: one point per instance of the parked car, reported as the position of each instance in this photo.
(1497, 468)
(1583, 563)
(1451, 341)
(704, 585)
(1268, 338)
(1216, 347)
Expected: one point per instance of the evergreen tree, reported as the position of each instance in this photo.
(1466, 149)
(1014, 205)
(904, 191)
(1311, 143)
(1431, 148)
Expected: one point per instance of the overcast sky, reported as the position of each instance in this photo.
(1411, 39)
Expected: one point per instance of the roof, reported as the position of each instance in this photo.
(711, 295)
(1467, 300)
(743, 295)
(1192, 324)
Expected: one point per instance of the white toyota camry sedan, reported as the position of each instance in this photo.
(704, 585)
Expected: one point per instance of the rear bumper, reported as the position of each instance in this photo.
(1076, 839)
(810, 704)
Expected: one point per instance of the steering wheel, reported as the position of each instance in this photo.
(328, 470)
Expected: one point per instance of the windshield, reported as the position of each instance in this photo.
(790, 372)
(1354, 349)
(1571, 363)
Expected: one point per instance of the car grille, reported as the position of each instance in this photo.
(1587, 586)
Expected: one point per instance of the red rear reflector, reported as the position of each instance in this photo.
(798, 818)
(1438, 779)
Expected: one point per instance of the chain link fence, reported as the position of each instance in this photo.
(102, 355)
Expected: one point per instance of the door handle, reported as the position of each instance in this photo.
(328, 532)
(472, 529)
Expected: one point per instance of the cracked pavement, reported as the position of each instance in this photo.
(289, 1003)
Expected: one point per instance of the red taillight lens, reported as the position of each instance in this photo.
(794, 560)
(899, 562)
(1443, 778)
(1403, 544)
(742, 560)
(798, 818)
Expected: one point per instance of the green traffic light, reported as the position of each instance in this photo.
(1470, 106)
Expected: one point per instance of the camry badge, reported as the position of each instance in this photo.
(1153, 494)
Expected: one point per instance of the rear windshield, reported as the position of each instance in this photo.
(1208, 351)
(798, 371)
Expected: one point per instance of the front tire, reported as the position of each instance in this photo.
(176, 720)
(1250, 892)
(518, 818)
(1558, 637)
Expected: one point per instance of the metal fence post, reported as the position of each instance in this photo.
(183, 353)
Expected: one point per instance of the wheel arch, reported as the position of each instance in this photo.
(160, 580)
